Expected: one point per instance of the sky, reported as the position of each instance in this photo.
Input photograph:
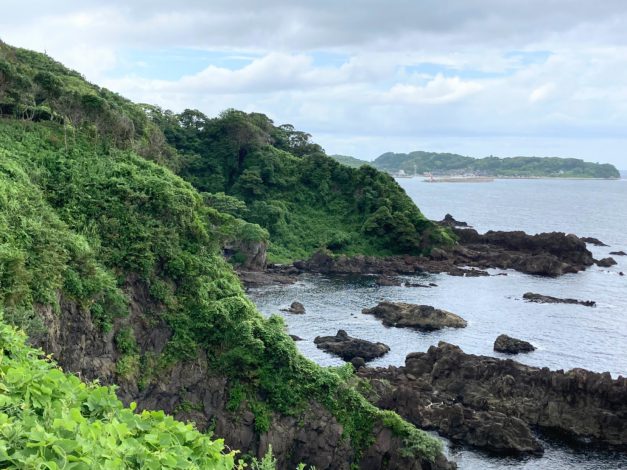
(476, 77)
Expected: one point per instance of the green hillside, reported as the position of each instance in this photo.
(98, 235)
(306, 200)
(350, 161)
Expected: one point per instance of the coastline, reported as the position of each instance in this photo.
(488, 178)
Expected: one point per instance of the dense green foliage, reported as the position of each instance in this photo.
(450, 163)
(84, 214)
(52, 420)
(306, 200)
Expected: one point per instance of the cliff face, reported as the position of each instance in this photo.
(191, 391)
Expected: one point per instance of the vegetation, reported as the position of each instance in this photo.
(450, 163)
(52, 420)
(350, 161)
(84, 213)
(286, 184)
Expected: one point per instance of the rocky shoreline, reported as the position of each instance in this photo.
(546, 254)
(496, 404)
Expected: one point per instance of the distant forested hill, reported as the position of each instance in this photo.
(350, 161)
(420, 162)
(450, 163)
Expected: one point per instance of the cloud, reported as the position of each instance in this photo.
(362, 77)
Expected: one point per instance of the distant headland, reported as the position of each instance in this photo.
(454, 165)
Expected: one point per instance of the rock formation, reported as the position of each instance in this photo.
(419, 317)
(606, 262)
(349, 348)
(507, 344)
(493, 403)
(296, 308)
(547, 299)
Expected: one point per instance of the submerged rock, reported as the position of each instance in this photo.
(349, 348)
(547, 299)
(593, 241)
(420, 317)
(618, 253)
(385, 281)
(606, 262)
(296, 308)
(507, 344)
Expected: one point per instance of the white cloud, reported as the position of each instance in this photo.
(437, 90)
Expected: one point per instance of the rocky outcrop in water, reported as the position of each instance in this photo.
(493, 403)
(419, 317)
(545, 254)
(593, 241)
(547, 299)
(507, 344)
(295, 308)
(606, 262)
(618, 253)
(449, 221)
(349, 348)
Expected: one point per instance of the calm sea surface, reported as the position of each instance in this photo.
(566, 336)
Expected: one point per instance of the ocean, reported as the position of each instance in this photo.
(566, 336)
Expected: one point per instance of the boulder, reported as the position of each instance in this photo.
(606, 262)
(296, 338)
(349, 348)
(507, 344)
(547, 299)
(296, 308)
(419, 317)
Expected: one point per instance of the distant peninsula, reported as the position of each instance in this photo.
(451, 164)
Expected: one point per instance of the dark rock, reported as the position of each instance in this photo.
(493, 403)
(420, 317)
(547, 299)
(349, 348)
(593, 241)
(296, 338)
(507, 344)
(358, 362)
(545, 254)
(606, 262)
(296, 308)
(253, 254)
(618, 253)
(450, 221)
(385, 281)
(412, 284)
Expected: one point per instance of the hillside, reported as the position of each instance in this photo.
(113, 263)
(453, 164)
(350, 161)
(278, 178)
